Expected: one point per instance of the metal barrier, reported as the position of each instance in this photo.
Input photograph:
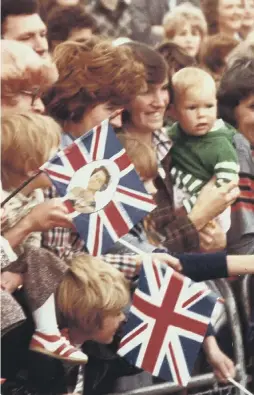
(196, 382)
(205, 380)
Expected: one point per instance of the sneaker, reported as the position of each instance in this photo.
(2, 381)
(57, 347)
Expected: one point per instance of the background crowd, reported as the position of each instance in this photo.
(176, 81)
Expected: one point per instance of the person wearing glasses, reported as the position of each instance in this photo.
(24, 76)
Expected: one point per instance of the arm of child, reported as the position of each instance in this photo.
(227, 167)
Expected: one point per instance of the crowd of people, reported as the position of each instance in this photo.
(175, 79)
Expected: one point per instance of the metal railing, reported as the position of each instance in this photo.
(208, 380)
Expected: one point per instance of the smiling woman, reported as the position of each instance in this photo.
(223, 16)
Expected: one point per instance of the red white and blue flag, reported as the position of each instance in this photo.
(120, 207)
(167, 322)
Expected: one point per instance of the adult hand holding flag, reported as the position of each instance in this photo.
(167, 323)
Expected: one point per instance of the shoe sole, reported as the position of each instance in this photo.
(51, 354)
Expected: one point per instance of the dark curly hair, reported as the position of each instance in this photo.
(236, 85)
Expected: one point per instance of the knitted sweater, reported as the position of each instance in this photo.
(196, 159)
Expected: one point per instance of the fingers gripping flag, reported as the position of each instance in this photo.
(102, 191)
(167, 323)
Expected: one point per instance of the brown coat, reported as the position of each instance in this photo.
(177, 231)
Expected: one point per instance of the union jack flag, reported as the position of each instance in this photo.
(167, 322)
(122, 205)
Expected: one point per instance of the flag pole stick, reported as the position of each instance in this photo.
(20, 188)
(238, 385)
(132, 248)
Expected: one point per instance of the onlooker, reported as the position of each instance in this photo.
(113, 17)
(42, 271)
(143, 120)
(176, 57)
(244, 49)
(20, 21)
(236, 101)
(223, 16)
(69, 23)
(147, 17)
(24, 76)
(187, 27)
(248, 18)
(214, 52)
(202, 144)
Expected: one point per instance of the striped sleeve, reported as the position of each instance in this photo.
(226, 171)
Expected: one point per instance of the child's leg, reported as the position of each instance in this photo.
(45, 317)
(47, 338)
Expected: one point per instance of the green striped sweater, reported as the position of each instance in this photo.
(196, 159)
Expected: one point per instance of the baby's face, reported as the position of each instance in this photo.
(196, 110)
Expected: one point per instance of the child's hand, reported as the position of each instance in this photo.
(49, 215)
(10, 281)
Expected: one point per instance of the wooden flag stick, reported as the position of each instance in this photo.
(238, 385)
(20, 188)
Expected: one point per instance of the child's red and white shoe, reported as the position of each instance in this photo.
(2, 381)
(57, 347)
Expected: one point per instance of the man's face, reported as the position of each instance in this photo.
(28, 29)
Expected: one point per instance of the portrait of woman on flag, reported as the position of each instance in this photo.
(85, 200)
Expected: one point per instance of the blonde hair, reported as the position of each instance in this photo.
(90, 291)
(188, 78)
(26, 138)
(182, 14)
(23, 69)
(142, 156)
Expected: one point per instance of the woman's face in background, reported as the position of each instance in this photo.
(188, 38)
(147, 110)
(248, 14)
(244, 115)
(230, 15)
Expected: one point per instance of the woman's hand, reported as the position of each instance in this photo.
(161, 258)
(212, 238)
(10, 281)
(223, 367)
(212, 201)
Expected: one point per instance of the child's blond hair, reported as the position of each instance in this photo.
(189, 78)
(27, 142)
(90, 291)
(142, 156)
(182, 14)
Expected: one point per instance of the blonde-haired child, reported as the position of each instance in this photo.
(203, 145)
(92, 293)
(187, 27)
(28, 140)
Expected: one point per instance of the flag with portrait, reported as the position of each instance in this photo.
(100, 187)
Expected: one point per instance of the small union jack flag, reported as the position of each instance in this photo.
(100, 188)
(167, 323)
